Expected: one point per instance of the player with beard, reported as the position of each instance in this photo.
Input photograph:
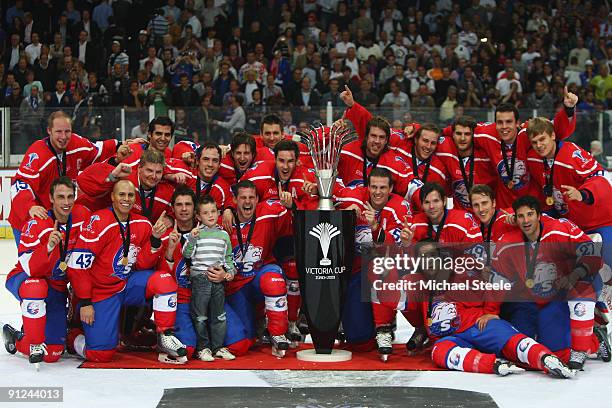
(97, 182)
(552, 258)
(62, 153)
(39, 280)
(240, 158)
(418, 153)
(207, 181)
(108, 269)
(258, 279)
(360, 157)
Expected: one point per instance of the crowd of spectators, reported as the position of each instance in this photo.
(223, 64)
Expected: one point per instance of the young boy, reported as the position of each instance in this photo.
(209, 247)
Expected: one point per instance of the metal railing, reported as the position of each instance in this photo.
(20, 128)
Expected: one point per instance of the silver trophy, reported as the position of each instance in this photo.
(325, 144)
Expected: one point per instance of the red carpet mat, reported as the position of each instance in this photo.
(262, 359)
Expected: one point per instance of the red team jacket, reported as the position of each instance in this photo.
(562, 246)
(97, 191)
(33, 257)
(459, 227)
(32, 182)
(179, 268)
(95, 269)
(522, 179)
(575, 167)
(266, 180)
(272, 221)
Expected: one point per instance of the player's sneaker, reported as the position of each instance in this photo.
(224, 354)
(37, 353)
(11, 335)
(556, 368)
(168, 344)
(280, 345)
(294, 335)
(384, 341)
(205, 355)
(504, 367)
(577, 359)
(604, 352)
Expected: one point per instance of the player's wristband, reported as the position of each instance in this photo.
(86, 302)
(113, 161)
(569, 111)
(587, 197)
(155, 242)
(111, 177)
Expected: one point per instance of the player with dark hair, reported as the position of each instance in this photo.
(207, 181)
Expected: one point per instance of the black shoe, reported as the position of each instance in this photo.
(11, 335)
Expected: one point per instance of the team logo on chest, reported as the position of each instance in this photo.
(520, 176)
(247, 263)
(119, 270)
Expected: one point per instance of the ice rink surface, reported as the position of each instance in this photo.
(86, 388)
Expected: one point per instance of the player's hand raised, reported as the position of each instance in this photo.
(286, 198)
(123, 152)
(173, 240)
(569, 99)
(122, 170)
(189, 158)
(160, 227)
(347, 96)
(310, 188)
(55, 237)
(370, 216)
(407, 231)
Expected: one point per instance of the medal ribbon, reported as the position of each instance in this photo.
(415, 166)
(125, 234)
(430, 228)
(509, 168)
(531, 257)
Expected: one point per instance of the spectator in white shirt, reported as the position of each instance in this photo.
(343, 46)
(33, 50)
(396, 98)
(158, 65)
(504, 84)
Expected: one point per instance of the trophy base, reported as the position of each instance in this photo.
(335, 356)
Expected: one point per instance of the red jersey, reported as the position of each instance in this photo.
(465, 172)
(95, 267)
(266, 154)
(574, 166)
(446, 313)
(457, 226)
(217, 188)
(272, 220)
(265, 177)
(34, 259)
(562, 246)
(498, 151)
(182, 147)
(390, 217)
(230, 173)
(97, 192)
(179, 269)
(353, 169)
(41, 165)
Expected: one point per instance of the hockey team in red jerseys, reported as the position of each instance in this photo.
(101, 228)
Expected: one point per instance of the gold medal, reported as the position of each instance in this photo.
(63, 266)
(550, 201)
(529, 283)
(124, 261)
(510, 184)
(429, 321)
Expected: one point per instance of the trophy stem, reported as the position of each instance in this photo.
(326, 204)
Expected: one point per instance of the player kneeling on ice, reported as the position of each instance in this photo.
(468, 335)
(39, 279)
(209, 247)
(108, 269)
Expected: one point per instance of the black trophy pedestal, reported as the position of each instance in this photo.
(324, 249)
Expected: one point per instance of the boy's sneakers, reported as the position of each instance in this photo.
(205, 355)
(224, 354)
